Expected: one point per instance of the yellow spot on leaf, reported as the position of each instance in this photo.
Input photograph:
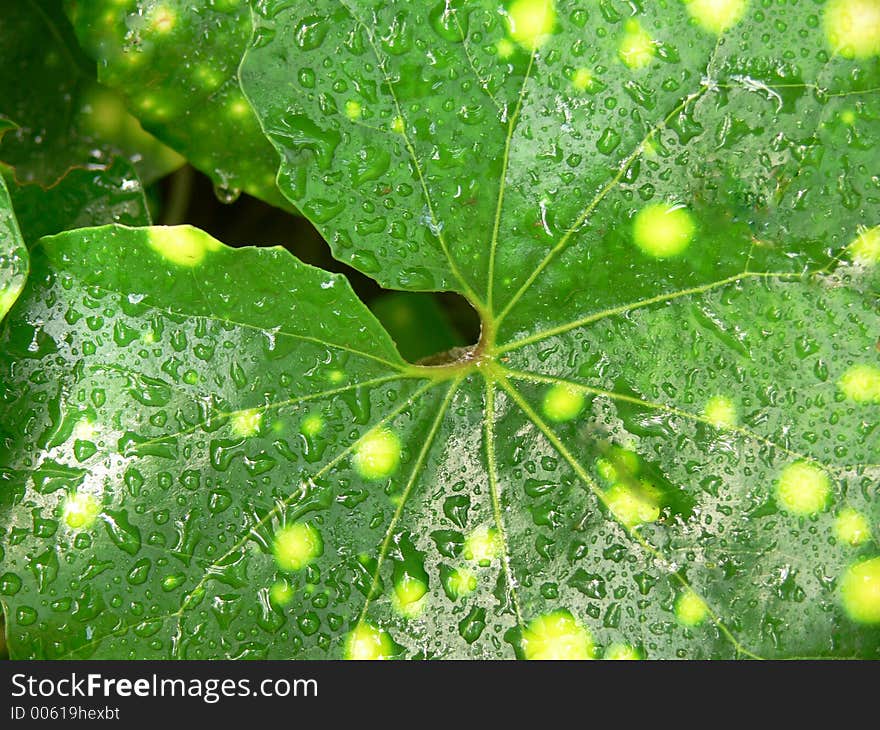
(505, 48)
(852, 27)
(181, 245)
(239, 108)
(84, 430)
(80, 511)
(297, 545)
(461, 582)
(865, 249)
(163, 19)
(690, 609)
(556, 635)
(312, 424)
(622, 652)
(662, 230)
(281, 593)
(367, 642)
(582, 79)
(353, 110)
(562, 403)
(633, 506)
(636, 48)
(409, 594)
(860, 591)
(208, 76)
(247, 423)
(398, 125)
(530, 22)
(851, 527)
(720, 412)
(716, 16)
(802, 489)
(483, 545)
(861, 383)
(377, 454)
(336, 376)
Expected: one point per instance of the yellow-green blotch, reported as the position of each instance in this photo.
(312, 424)
(281, 593)
(632, 506)
(662, 230)
(690, 609)
(556, 635)
(860, 591)
(367, 642)
(409, 596)
(297, 545)
(720, 412)
(247, 423)
(505, 48)
(622, 652)
(716, 16)
(163, 19)
(239, 108)
(398, 125)
(80, 510)
(84, 430)
(353, 110)
(865, 249)
(562, 403)
(636, 48)
(861, 383)
(851, 527)
(852, 27)
(336, 376)
(181, 245)
(482, 546)
(802, 489)
(461, 582)
(530, 22)
(582, 79)
(377, 454)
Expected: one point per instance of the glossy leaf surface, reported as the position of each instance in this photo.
(664, 445)
(177, 64)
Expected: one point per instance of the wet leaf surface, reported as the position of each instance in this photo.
(664, 445)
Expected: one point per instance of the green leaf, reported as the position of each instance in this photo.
(13, 254)
(82, 198)
(664, 445)
(61, 118)
(177, 65)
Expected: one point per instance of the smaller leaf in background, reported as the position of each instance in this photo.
(82, 198)
(177, 63)
(60, 117)
(417, 323)
(13, 255)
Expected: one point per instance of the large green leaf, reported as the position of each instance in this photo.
(61, 118)
(177, 64)
(13, 254)
(664, 445)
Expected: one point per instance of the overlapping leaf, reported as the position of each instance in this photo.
(177, 64)
(664, 445)
(60, 118)
(13, 254)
